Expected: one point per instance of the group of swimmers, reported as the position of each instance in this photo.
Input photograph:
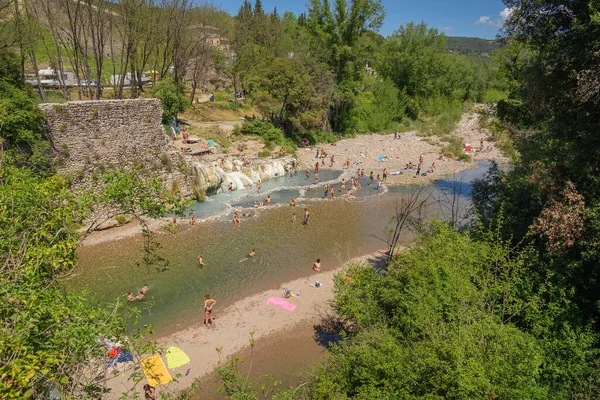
(141, 295)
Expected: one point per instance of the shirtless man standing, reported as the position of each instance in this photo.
(200, 261)
(317, 265)
(208, 306)
(306, 216)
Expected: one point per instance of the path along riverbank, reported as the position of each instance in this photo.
(231, 332)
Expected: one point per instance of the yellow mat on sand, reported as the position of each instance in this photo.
(155, 370)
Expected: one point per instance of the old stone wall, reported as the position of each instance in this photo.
(89, 137)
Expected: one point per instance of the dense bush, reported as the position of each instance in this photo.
(172, 97)
(458, 316)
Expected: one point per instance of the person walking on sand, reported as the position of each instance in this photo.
(421, 159)
(385, 172)
(200, 261)
(209, 303)
(293, 218)
(332, 159)
(317, 265)
(306, 216)
(418, 173)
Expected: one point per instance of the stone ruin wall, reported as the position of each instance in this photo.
(89, 137)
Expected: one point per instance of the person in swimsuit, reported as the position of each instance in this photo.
(131, 297)
(332, 159)
(317, 265)
(307, 173)
(249, 256)
(268, 199)
(200, 261)
(149, 392)
(371, 178)
(385, 174)
(306, 216)
(293, 217)
(343, 185)
(331, 193)
(208, 306)
(362, 173)
(258, 186)
(316, 168)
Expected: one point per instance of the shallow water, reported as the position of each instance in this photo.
(338, 231)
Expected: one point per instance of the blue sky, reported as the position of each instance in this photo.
(477, 18)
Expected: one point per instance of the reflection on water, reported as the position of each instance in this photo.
(339, 230)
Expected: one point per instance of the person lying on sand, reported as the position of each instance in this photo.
(250, 255)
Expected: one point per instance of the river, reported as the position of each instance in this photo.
(339, 230)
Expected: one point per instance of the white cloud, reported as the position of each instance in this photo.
(502, 17)
(505, 14)
(448, 29)
(483, 20)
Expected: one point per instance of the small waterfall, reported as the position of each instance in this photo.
(211, 177)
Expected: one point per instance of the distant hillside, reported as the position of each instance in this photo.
(471, 45)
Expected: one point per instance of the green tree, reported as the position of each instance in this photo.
(172, 97)
(336, 30)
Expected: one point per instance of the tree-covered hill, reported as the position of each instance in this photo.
(471, 45)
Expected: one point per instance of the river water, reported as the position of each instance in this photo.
(339, 230)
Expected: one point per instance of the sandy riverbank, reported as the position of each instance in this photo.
(364, 151)
(234, 324)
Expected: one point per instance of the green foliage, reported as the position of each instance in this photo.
(49, 332)
(492, 96)
(21, 120)
(414, 57)
(456, 317)
(471, 45)
(265, 130)
(455, 148)
(172, 96)
(381, 109)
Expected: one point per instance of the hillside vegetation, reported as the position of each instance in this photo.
(472, 46)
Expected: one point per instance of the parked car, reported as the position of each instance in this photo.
(85, 82)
